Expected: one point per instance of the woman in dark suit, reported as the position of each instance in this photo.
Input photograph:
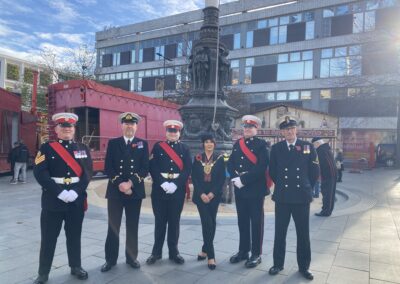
(208, 177)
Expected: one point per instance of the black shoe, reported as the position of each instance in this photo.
(322, 214)
(238, 257)
(253, 261)
(178, 259)
(307, 274)
(106, 267)
(133, 263)
(201, 257)
(153, 258)
(41, 279)
(275, 270)
(79, 272)
(211, 266)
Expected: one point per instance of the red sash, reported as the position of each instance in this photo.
(71, 162)
(252, 158)
(67, 158)
(246, 151)
(172, 154)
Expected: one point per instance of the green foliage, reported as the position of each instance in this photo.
(12, 72)
(26, 95)
(28, 76)
(45, 79)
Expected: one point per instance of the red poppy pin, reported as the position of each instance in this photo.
(298, 148)
(198, 157)
(134, 145)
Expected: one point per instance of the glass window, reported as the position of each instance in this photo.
(132, 85)
(284, 20)
(358, 22)
(282, 58)
(325, 94)
(342, 10)
(309, 16)
(179, 52)
(250, 61)
(295, 18)
(161, 71)
(235, 63)
(141, 74)
(307, 55)
(147, 73)
(139, 87)
(308, 69)
(290, 71)
(189, 47)
(107, 77)
(235, 76)
(140, 55)
(357, 7)
(324, 68)
(112, 76)
(133, 56)
(262, 24)
(326, 53)
(310, 27)
(236, 41)
(118, 76)
(305, 95)
(170, 71)
(155, 72)
(282, 34)
(328, 12)
(372, 4)
(355, 50)
(281, 96)
(294, 95)
(247, 75)
(249, 39)
(125, 75)
(131, 74)
(369, 21)
(273, 22)
(340, 51)
(353, 92)
(273, 36)
(354, 65)
(271, 96)
(338, 67)
(295, 56)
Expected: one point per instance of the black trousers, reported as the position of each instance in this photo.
(328, 190)
(301, 217)
(166, 211)
(50, 226)
(250, 213)
(208, 217)
(132, 213)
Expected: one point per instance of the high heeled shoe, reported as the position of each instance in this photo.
(211, 266)
(201, 257)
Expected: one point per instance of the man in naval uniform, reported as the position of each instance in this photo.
(170, 167)
(247, 167)
(294, 169)
(127, 165)
(63, 169)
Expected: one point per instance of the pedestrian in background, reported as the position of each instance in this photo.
(339, 164)
(328, 175)
(21, 163)
(11, 160)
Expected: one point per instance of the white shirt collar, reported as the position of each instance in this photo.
(126, 139)
(294, 143)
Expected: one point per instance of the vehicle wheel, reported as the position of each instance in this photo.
(389, 163)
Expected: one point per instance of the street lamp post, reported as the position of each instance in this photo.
(164, 58)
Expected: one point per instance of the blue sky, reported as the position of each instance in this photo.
(26, 26)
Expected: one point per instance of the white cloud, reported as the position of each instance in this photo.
(14, 7)
(28, 55)
(87, 2)
(65, 12)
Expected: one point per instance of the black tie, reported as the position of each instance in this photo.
(291, 147)
(129, 144)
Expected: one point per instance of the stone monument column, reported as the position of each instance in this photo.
(198, 113)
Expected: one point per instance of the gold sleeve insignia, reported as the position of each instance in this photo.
(39, 158)
(316, 161)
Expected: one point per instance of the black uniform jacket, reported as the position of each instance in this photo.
(326, 163)
(252, 175)
(49, 164)
(293, 172)
(161, 164)
(217, 177)
(125, 163)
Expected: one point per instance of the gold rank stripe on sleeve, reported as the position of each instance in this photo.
(39, 158)
(114, 179)
(316, 161)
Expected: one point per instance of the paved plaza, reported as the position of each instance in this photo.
(359, 243)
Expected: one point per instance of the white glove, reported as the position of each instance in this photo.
(164, 186)
(171, 188)
(64, 196)
(237, 182)
(72, 195)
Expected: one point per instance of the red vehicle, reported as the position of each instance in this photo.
(15, 125)
(98, 107)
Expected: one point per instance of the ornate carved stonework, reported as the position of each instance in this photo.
(197, 114)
